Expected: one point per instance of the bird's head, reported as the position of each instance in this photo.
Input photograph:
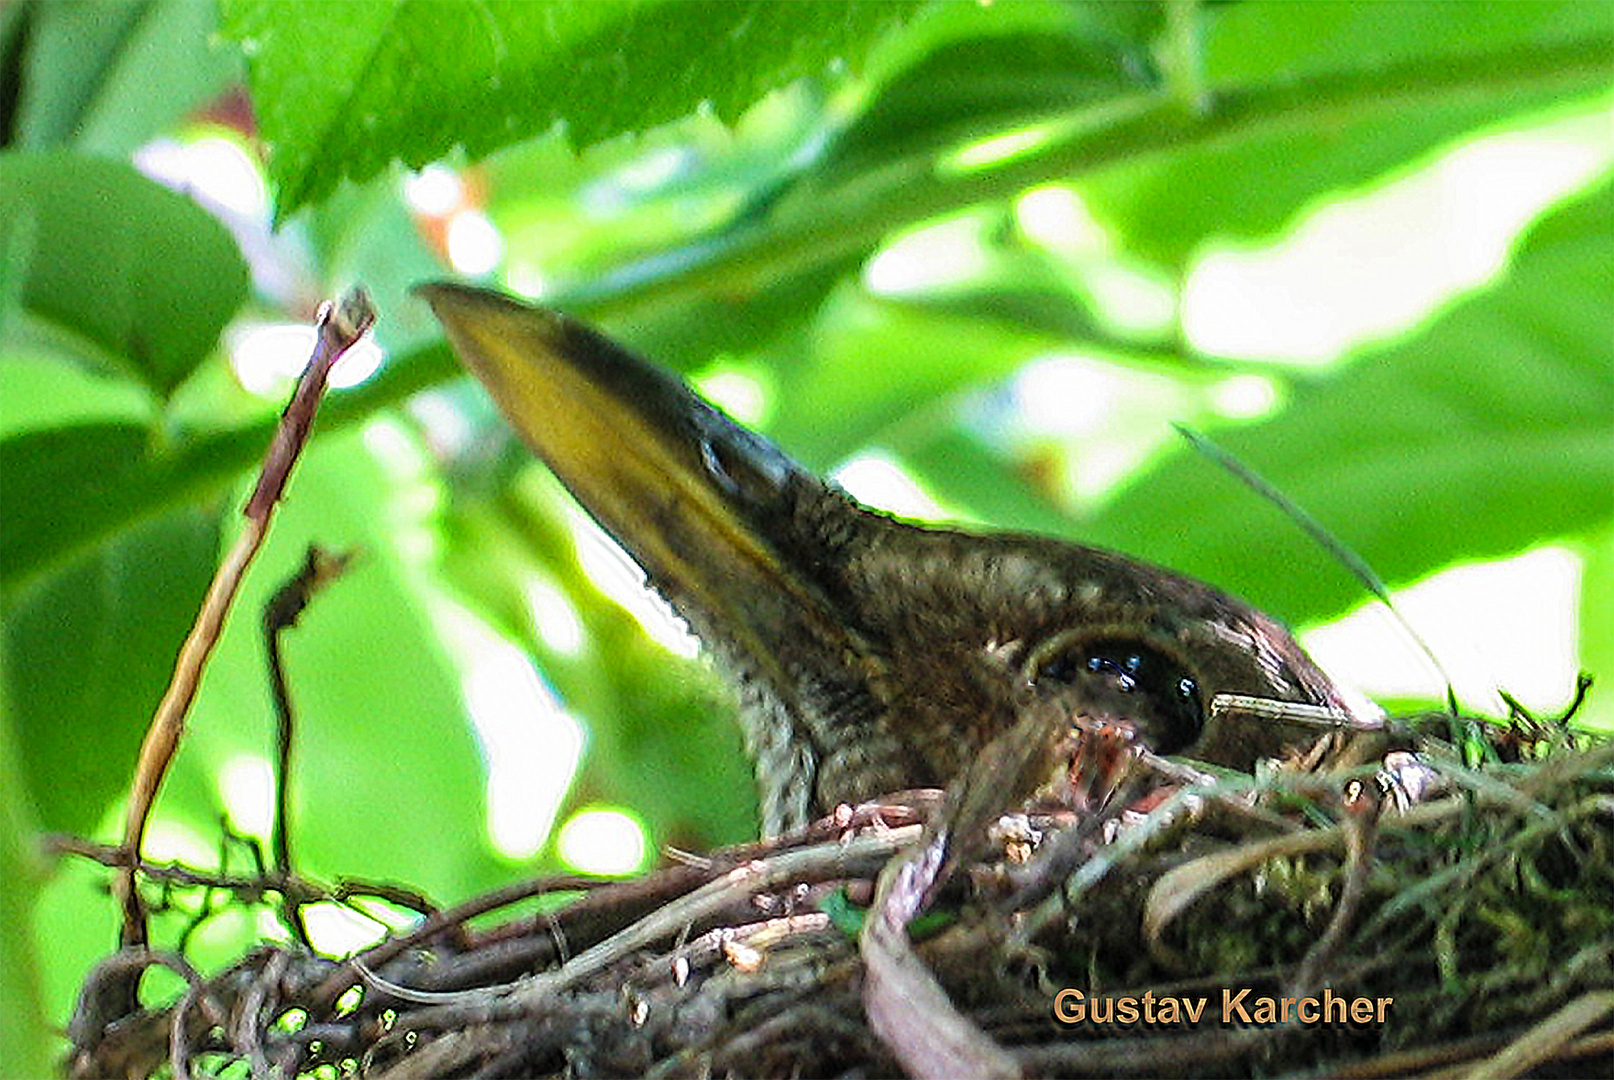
(870, 655)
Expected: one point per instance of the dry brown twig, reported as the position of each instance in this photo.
(339, 327)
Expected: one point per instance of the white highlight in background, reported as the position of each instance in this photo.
(1510, 622)
(1244, 397)
(217, 169)
(602, 840)
(436, 191)
(876, 480)
(553, 616)
(1357, 269)
(339, 930)
(736, 393)
(622, 579)
(942, 254)
(1056, 218)
(1070, 395)
(998, 149)
(247, 789)
(1111, 418)
(532, 747)
(525, 279)
(1130, 298)
(267, 356)
(1126, 295)
(168, 840)
(474, 244)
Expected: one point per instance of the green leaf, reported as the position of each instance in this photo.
(87, 487)
(72, 470)
(24, 1051)
(1249, 43)
(961, 470)
(687, 334)
(1249, 185)
(88, 75)
(844, 915)
(1018, 285)
(42, 392)
(876, 364)
(968, 70)
(89, 648)
(812, 226)
(116, 268)
(1491, 430)
(344, 88)
(68, 47)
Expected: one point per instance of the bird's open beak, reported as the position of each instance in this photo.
(699, 501)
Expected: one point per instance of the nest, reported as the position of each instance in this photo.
(1469, 933)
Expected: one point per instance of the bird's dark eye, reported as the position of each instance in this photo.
(1168, 710)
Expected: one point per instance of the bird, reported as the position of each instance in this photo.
(869, 654)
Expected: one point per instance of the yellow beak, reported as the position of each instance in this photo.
(702, 503)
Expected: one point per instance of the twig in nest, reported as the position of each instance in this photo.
(339, 328)
(906, 1005)
(319, 568)
(254, 1007)
(100, 1001)
(1547, 1038)
(253, 888)
(1361, 816)
(837, 860)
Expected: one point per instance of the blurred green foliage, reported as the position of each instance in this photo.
(721, 179)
